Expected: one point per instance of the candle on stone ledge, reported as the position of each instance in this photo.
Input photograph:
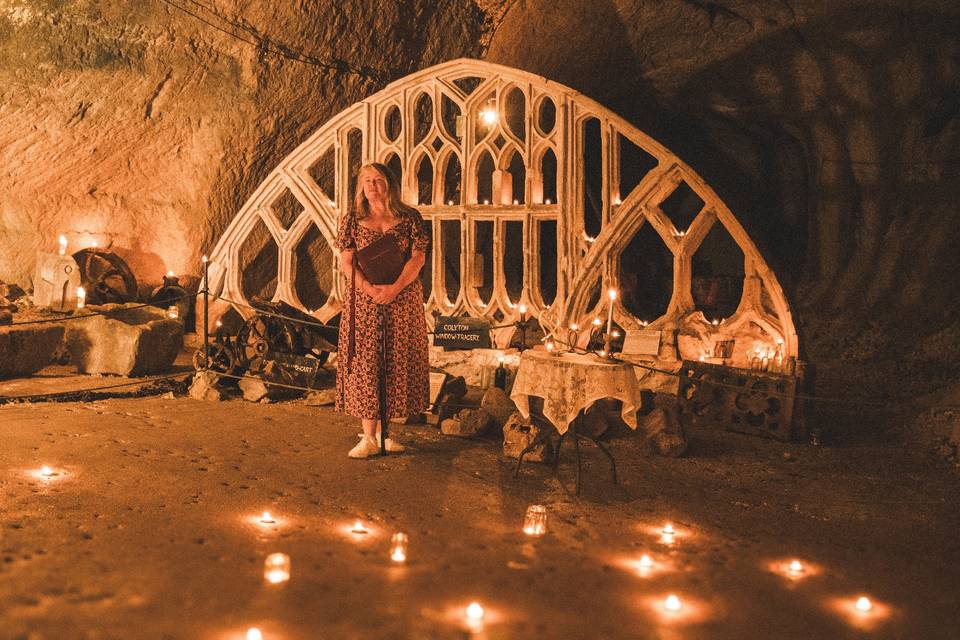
(81, 297)
(523, 313)
(63, 244)
(173, 312)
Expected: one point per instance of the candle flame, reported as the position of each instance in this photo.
(254, 634)
(475, 612)
(863, 604)
(266, 518)
(612, 293)
(358, 527)
(672, 603)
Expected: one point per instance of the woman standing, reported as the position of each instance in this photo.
(378, 210)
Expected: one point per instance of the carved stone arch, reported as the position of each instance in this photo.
(467, 84)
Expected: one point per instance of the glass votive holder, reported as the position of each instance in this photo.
(276, 568)
(535, 520)
(398, 547)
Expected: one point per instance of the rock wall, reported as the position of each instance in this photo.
(143, 128)
(831, 129)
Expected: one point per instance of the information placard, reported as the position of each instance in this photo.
(645, 342)
(453, 333)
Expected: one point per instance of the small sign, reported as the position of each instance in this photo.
(641, 343)
(292, 369)
(461, 333)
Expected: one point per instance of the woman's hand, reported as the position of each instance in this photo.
(384, 293)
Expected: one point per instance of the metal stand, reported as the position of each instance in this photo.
(382, 376)
(547, 430)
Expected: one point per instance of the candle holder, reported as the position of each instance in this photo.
(500, 375)
(276, 568)
(535, 520)
(398, 547)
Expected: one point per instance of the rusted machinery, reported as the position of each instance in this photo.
(279, 343)
(105, 277)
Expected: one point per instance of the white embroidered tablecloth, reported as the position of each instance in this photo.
(570, 383)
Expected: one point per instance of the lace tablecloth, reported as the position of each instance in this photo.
(570, 383)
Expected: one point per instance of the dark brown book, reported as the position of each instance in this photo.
(381, 261)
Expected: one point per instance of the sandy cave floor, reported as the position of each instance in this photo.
(151, 532)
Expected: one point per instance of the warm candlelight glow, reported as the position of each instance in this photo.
(173, 312)
(612, 294)
(63, 244)
(667, 534)
(863, 604)
(219, 323)
(485, 201)
(475, 612)
(796, 567)
(254, 634)
(535, 520)
(548, 201)
(672, 603)
(574, 326)
(550, 346)
(489, 114)
(81, 297)
(615, 333)
(516, 202)
(597, 322)
(358, 528)
(616, 200)
(93, 244)
(450, 202)
(715, 322)
(47, 472)
(398, 547)
(204, 259)
(276, 568)
(266, 518)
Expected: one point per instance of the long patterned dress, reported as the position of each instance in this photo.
(408, 367)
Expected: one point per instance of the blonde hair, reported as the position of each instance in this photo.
(396, 205)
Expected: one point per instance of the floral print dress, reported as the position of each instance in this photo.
(408, 366)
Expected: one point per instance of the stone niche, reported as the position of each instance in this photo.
(124, 341)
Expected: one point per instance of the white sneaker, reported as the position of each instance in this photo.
(365, 448)
(392, 445)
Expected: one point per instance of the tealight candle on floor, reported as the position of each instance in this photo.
(475, 612)
(796, 568)
(266, 518)
(47, 472)
(358, 528)
(667, 534)
(863, 604)
(672, 603)
(276, 568)
(535, 520)
(254, 634)
(398, 547)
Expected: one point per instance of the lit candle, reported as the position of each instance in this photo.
(63, 244)
(93, 244)
(485, 201)
(475, 612)
(358, 528)
(548, 201)
(81, 297)
(672, 603)
(616, 200)
(523, 313)
(219, 323)
(796, 568)
(276, 568)
(516, 202)
(615, 333)
(398, 547)
(550, 346)
(266, 518)
(715, 322)
(863, 604)
(535, 520)
(612, 294)
(667, 534)
(47, 472)
(254, 634)
(645, 563)
(450, 202)
(173, 312)
(597, 322)
(204, 259)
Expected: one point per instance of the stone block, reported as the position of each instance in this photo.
(467, 423)
(496, 402)
(518, 433)
(27, 349)
(663, 430)
(206, 386)
(321, 398)
(124, 341)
